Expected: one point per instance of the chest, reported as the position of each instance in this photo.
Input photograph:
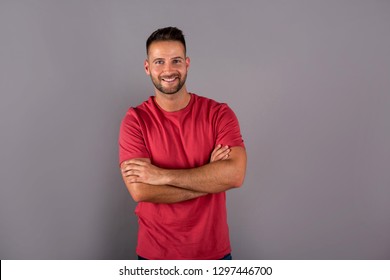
(180, 142)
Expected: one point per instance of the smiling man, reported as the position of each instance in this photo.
(179, 153)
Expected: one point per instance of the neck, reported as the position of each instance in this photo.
(173, 102)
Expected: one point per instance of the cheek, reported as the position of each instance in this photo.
(155, 71)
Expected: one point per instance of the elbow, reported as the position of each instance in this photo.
(238, 183)
(238, 179)
(234, 182)
(135, 192)
(137, 198)
(238, 170)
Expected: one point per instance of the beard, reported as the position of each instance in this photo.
(170, 89)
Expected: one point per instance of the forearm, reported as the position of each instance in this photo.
(141, 192)
(214, 177)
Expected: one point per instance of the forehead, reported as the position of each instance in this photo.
(166, 49)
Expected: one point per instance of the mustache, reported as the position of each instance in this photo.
(170, 76)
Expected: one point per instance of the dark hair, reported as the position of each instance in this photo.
(166, 34)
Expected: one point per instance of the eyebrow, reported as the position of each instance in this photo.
(176, 57)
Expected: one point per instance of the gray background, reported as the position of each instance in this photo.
(308, 80)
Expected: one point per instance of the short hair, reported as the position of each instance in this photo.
(166, 34)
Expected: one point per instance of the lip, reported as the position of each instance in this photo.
(170, 79)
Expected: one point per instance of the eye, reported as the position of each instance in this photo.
(159, 62)
(176, 61)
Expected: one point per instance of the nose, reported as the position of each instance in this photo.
(168, 67)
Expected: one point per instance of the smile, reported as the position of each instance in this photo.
(169, 80)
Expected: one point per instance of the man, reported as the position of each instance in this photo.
(179, 153)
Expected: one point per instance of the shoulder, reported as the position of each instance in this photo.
(204, 100)
(211, 105)
(139, 111)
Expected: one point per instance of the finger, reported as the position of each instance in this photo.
(131, 172)
(222, 152)
(132, 179)
(223, 157)
(135, 161)
(134, 165)
(130, 166)
(216, 149)
(219, 149)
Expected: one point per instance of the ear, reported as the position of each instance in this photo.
(188, 60)
(146, 67)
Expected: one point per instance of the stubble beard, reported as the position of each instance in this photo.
(158, 84)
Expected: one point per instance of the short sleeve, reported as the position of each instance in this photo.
(228, 128)
(131, 140)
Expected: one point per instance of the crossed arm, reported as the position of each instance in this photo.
(149, 183)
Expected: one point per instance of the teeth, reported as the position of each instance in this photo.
(169, 80)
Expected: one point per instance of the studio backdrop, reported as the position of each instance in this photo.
(308, 80)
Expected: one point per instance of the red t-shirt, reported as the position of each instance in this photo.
(193, 229)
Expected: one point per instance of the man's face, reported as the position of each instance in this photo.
(167, 66)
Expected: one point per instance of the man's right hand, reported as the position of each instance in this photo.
(220, 153)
